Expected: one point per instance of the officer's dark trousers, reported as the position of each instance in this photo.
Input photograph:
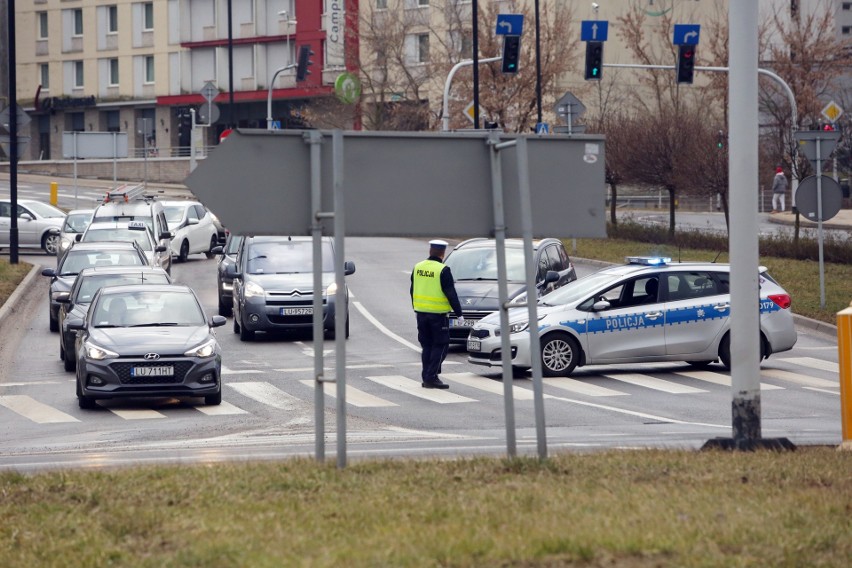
(433, 333)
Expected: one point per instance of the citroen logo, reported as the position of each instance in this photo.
(152, 356)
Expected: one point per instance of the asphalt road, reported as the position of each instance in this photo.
(268, 407)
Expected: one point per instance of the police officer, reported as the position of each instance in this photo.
(433, 295)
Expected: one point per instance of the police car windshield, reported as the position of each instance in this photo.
(480, 263)
(577, 290)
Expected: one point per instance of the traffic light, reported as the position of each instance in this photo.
(720, 140)
(594, 60)
(302, 71)
(685, 63)
(511, 53)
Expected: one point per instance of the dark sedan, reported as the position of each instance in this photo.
(74, 305)
(148, 341)
(474, 266)
(85, 255)
(224, 281)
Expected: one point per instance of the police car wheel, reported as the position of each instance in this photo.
(725, 351)
(559, 355)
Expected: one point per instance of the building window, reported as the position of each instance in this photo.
(78, 75)
(78, 21)
(149, 68)
(113, 72)
(422, 2)
(422, 48)
(847, 6)
(42, 25)
(76, 121)
(846, 30)
(381, 4)
(44, 75)
(112, 19)
(112, 121)
(148, 16)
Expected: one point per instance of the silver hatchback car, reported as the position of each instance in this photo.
(647, 310)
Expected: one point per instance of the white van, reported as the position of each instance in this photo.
(129, 203)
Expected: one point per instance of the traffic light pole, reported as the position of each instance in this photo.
(445, 112)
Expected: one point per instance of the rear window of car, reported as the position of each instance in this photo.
(91, 284)
(75, 261)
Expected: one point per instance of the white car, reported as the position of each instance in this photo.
(193, 227)
(647, 310)
(130, 231)
(75, 223)
(38, 224)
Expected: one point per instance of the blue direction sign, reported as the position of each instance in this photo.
(686, 34)
(510, 24)
(593, 30)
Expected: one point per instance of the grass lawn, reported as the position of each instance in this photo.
(10, 276)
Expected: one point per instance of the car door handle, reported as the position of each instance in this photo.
(722, 307)
(654, 315)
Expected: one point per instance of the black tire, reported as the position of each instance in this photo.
(236, 324)
(54, 323)
(50, 243)
(330, 333)
(214, 242)
(559, 355)
(214, 399)
(84, 402)
(725, 351)
(184, 251)
(245, 334)
(68, 360)
(224, 310)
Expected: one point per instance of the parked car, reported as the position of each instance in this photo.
(149, 341)
(75, 223)
(193, 229)
(224, 282)
(274, 285)
(130, 231)
(474, 267)
(38, 225)
(647, 310)
(75, 304)
(84, 255)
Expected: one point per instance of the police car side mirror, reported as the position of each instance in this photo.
(601, 305)
(551, 276)
(348, 267)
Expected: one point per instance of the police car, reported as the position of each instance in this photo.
(646, 310)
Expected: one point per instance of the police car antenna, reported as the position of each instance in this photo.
(718, 254)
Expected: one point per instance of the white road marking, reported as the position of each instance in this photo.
(227, 371)
(412, 387)
(29, 383)
(835, 392)
(487, 385)
(267, 394)
(223, 409)
(137, 414)
(800, 379)
(582, 387)
(31, 409)
(311, 369)
(654, 383)
(814, 363)
(720, 379)
(355, 397)
(383, 329)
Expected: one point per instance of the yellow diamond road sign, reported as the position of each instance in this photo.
(832, 111)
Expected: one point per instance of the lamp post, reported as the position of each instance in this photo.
(277, 71)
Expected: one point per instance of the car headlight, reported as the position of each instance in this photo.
(520, 326)
(253, 289)
(98, 353)
(519, 299)
(331, 290)
(206, 349)
(64, 244)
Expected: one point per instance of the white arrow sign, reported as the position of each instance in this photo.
(688, 35)
(595, 31)
(504, 24)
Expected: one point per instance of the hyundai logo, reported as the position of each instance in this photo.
(152, 356)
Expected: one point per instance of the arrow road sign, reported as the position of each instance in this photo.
(686, 34)
(594, 30)
(510, 24)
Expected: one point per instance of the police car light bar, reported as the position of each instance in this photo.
(125, 192)
(648, 260)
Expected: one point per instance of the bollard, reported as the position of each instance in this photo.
(54, 193)
(844, 350)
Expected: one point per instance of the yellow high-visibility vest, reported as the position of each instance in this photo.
(428, 295)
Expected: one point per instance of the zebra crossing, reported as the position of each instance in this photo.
(395, 391)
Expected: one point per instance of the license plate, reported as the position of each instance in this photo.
(465, 323)
(297, 311)
(164, 371)
(473, 345)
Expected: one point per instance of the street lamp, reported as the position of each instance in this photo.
(279, 70)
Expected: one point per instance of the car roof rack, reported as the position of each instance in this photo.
(126, 193)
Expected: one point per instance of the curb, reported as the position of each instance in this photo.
(801, 321)
(9, 307)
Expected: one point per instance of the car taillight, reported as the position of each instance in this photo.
(783, 301)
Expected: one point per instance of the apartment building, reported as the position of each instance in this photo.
(139, 66)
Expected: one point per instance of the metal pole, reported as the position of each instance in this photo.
(819, 222)
(743, 129)
(192, 160)
(340, 298)
(445, 115)
(75, 169)
(503, 292)
(115, 158)
(145, 149)
(314, 138)
(538, 62)
(13, 138)
(289, 65)
(230, 67)
(475, 31)
(532, 293)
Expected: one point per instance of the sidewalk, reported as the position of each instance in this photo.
(843, 220)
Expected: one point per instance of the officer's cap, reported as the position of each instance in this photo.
(438, 244)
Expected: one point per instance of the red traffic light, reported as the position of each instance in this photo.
(828, 127)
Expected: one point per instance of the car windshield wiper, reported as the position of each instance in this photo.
(156, 324)
(69, 273)
(109, 325)
(257, 257)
